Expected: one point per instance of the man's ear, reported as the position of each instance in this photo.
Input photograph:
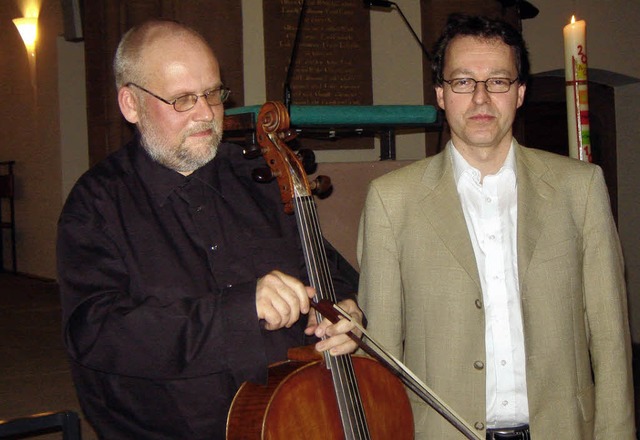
(440, 96)
(129, 105)
(522, 88)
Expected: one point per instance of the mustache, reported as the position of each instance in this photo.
(199, 127)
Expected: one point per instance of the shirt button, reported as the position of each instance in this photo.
(505, 403)
(479, 426)
(503, 362)
(199, 208)
(478, 365)
(479, 303)
(488, 199)
(214, 247)
(229, 286)
(492, 237)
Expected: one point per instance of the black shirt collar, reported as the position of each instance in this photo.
(161, 181)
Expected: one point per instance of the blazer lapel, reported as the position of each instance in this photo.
(535, 195)
(441, 207)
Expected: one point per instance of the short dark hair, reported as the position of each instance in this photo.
(484, 28)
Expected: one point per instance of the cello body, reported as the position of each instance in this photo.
(299, 402)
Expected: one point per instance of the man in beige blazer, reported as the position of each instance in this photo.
(494, 271)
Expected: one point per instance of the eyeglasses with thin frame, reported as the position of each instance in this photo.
(468, 85)
(186, 102)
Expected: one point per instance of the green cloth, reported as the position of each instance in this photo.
(333, 115)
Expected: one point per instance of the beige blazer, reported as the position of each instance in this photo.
(421, 293)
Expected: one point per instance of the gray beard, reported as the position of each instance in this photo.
(182, 158)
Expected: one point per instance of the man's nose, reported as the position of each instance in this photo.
(202, 110)
(480, 94)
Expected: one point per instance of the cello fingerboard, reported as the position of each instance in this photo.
(345, 384)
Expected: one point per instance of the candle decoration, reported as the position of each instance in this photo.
(575, 53)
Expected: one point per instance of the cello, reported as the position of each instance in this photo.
(310, 396)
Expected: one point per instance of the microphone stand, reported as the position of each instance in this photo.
(294, 55)
(389, 4)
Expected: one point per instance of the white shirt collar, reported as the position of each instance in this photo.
(461, 166)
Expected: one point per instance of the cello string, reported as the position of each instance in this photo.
(345, 365)
(302, 214)
(346, 384)
(304, 230)
(346, 361)
(341, 366)
(311, 258)
(319, 250)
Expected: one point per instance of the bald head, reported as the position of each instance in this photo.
(145, 46)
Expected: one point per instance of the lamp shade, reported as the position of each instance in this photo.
(28, 28)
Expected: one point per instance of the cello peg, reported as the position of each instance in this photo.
(251, 149)
(262, 175)
(308, 159)
(321, 186)
(289, 135)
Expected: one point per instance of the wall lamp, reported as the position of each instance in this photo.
(28, 28)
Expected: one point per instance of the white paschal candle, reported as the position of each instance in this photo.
(575, 58)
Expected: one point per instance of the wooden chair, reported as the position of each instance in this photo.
(7, 185)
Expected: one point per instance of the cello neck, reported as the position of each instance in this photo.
(313, 248)
(295, 191)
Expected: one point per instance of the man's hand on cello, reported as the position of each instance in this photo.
(337, 341)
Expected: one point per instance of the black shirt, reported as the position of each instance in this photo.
(158, 274)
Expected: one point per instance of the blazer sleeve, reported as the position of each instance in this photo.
(607, 317)
(380, 287)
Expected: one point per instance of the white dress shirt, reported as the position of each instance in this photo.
(490, 211)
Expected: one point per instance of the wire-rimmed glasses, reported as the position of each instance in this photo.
(468, 85)
(186, 102)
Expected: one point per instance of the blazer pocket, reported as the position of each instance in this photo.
(586, 400)
(564, 249)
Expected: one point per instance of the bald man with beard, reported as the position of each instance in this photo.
(180, 277)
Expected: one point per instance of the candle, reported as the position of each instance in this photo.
(575, 58)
